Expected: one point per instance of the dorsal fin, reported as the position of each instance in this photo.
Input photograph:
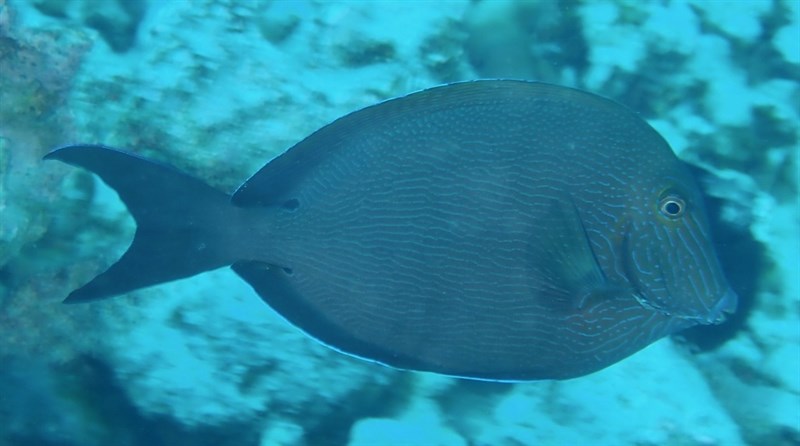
(272, 182)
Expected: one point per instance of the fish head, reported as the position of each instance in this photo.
(668, 255)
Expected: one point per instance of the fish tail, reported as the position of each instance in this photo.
(180, 221)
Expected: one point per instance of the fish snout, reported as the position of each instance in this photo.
(725, 306)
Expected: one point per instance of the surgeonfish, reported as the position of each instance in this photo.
(493, 229)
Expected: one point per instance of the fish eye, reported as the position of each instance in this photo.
(672, 206)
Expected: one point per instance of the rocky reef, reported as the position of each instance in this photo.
(218, 87)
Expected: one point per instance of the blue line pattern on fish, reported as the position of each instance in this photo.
(493, 229)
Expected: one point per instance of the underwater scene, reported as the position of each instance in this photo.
(500, 256)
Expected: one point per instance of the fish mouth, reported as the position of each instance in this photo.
(725, 306)
(663, 298)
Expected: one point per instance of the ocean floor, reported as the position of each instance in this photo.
(219, 87)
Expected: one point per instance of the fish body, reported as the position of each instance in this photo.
(500, 230)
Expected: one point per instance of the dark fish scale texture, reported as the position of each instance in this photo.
(499, 230)
(423, 233)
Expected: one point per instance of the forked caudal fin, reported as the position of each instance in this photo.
(181, 221)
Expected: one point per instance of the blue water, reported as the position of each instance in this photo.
(217, 88)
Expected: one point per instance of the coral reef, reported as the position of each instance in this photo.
(218, 87)
(36, 69)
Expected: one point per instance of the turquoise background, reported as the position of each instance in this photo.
(218, 87)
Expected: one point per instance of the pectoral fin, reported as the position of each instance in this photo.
(568, 271)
